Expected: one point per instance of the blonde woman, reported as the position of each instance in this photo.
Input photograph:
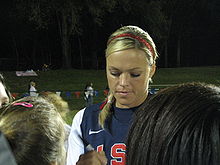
(102, 128)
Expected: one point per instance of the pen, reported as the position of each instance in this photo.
(89, 147)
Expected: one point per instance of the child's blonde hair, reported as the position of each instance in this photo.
(34, 130)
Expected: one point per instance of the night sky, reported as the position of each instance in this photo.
(24, 46)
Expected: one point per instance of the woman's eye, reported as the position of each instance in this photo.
(135, 75)
(115, 74)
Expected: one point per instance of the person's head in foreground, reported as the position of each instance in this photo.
(177, 126)
(130, 65)
(5, 95)
(60, 104)
(35, 131)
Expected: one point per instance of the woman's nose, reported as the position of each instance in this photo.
(124, 79)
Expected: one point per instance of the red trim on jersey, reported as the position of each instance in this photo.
(103, 104)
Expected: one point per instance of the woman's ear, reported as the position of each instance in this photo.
(152, 70)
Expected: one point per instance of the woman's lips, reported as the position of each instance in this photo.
(123, 93)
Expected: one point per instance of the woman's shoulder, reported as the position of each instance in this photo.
(94, 108)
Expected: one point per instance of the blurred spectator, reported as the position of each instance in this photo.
(45, 67)
(32, 88)
(88, 94)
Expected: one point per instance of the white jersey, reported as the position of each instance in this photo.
(75, 144)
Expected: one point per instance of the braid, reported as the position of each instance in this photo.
(106, 109)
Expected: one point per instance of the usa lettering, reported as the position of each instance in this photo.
(117, 153)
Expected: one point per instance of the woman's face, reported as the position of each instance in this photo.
(4, 99)
(128, 74)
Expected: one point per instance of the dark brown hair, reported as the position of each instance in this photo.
(178, 126)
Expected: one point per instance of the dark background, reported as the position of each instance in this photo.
(72, 34)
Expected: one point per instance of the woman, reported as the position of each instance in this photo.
(32, 88)
(34, 130)
(130, 59)
(177, 126)
(88, 94)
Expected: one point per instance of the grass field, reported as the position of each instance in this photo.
(70, 81)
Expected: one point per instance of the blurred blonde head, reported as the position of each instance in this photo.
(60, 104)
(34, 130)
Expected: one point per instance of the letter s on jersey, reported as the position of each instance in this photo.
(118, 154)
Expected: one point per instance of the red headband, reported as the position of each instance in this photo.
(150, 48)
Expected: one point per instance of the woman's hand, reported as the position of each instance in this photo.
(92, 158)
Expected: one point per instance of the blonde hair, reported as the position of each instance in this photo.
(127, 37)
(60, 104)
(34, 130)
